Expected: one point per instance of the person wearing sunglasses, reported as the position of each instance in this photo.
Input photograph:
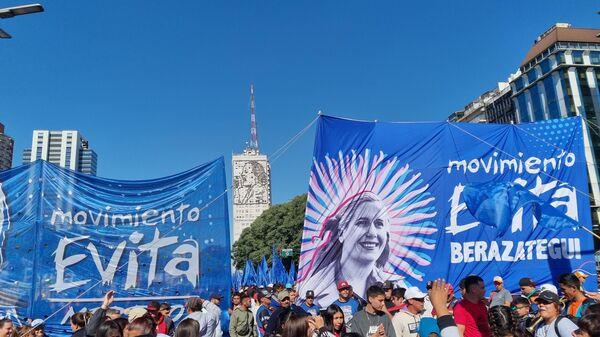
(554, 325)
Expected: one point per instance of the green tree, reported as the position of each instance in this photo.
(279, 226)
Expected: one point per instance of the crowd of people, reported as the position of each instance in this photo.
(386, 311)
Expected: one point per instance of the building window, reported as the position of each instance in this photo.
(586, 94)
(577, 57)
(553, 107)
(545, 66)
(532, 76)
(595, 57)
(568, 93)
(523, 112)
(560, 58)
(519, 83)
(536, 104)
(590, 113)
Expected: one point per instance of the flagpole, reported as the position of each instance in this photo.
(589, 231)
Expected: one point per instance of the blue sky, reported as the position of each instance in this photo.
(158, 87)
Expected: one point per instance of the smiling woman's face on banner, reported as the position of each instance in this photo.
(365, 234)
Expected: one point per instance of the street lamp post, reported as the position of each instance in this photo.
(6, 13)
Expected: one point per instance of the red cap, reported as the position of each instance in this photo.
(343, 284)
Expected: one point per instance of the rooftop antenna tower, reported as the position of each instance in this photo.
(253, 145)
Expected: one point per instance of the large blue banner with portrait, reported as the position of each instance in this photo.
(67, 238)
(411, 202)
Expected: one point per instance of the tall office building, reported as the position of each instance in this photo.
(67, 149)
(251, 180)
(6, 149)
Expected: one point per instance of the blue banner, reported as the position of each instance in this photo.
(411, 202)
(67, 238)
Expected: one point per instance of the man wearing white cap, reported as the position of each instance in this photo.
(406, 322)
(501, 296)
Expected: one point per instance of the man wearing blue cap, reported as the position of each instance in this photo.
(263, 314)
(309, 304)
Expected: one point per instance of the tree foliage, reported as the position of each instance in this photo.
(279, 226)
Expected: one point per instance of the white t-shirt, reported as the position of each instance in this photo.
(406, 324)
(565, 328)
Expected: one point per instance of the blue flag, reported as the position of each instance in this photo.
(236, 280)
(278, 273)
(249, 274)
(263, 273)
(292, 274)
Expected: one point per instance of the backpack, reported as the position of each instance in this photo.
(555, 323)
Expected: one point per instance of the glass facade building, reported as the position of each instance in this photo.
(559, 78)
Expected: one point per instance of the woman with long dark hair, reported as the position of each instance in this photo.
(333, 318)
(296, 326)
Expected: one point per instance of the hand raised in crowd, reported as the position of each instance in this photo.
(316, 322)
(108, 299)
(381, 330)
(438, 295)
